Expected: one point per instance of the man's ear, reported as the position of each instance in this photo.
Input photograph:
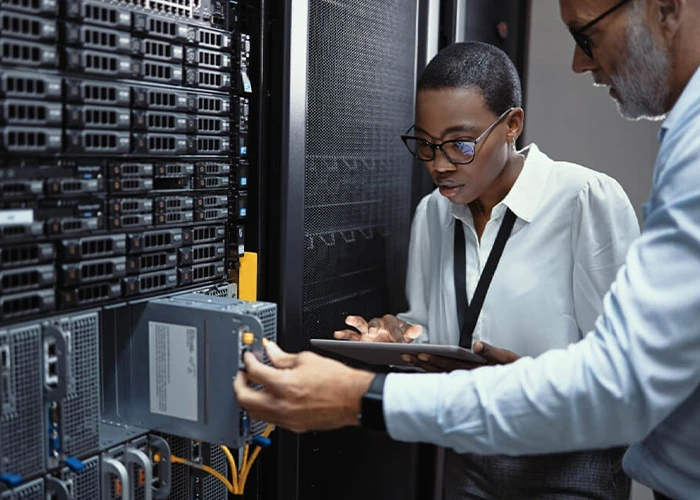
(667, 16)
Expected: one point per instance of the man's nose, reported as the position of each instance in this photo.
(581, 62)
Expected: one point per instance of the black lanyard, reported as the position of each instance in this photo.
(469, 315)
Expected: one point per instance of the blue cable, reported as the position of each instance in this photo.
(261, 441)
(74, 464)
(11, 480)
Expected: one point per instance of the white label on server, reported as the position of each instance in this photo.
(19, 216)
(173, 370)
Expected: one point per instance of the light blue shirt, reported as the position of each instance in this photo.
(634, 380)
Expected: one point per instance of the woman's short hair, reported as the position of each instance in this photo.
(475, 65)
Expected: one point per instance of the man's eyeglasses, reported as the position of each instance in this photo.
(457, 151)
(584, 41)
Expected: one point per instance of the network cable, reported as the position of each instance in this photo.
(207, 469)
(249, 463)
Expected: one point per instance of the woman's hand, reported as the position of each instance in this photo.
(434, 364)
(388, 328)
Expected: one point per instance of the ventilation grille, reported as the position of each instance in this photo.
(93, 294)
(99, 93)
(156, 241)
(27, 86)
(206, 234)
(20, 280)
(96, 248)
(212, 104)
(18, 25)
(176, 217)
(29, 491)
(204, 272)
(212, 145)
(100, 141)
(33, 6)
(98, 63)
(180, 473)
(212, 79)
(174, 170)
(98, 38)
(100, 14)
(203, 254)
(155, 262)
(155, 281)
(173, 203)
(160, 27)
(211, 125)
(100, 117)
(161, 99)
(161, 121)
(167, 144)
(25, 255)
(26, 53)
(213, 59)
(135, 220)
(24, 138)
(157, 71)
(81, 408)
(160, 50)
(86, 484)
(23, 427)
(360, 85)
(26, 303)
(212, 488)
(213, 39)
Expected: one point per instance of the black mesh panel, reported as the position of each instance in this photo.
(357, 214)
(358, 174)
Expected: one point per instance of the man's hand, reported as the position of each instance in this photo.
(388, 328)
(493, 355)
(302, 392)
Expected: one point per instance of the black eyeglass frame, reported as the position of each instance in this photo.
(433, 147)
(584, 41)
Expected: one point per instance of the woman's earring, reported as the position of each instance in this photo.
(513, 144)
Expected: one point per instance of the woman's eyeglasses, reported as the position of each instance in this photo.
(457, 151)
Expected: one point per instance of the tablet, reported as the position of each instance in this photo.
(389, 353)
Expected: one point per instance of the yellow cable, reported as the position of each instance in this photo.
(234, 469)
(207, 469)
(244, 463)
(249, 464)
(244, 475)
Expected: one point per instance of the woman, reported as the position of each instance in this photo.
(561, 230)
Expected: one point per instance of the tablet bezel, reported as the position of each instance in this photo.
(389, 353)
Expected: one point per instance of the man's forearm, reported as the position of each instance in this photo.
(551, 404)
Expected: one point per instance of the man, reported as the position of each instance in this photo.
(634, 380)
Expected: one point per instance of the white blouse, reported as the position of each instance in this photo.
(572, 231)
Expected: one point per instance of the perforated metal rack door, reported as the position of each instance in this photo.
(357, 215)
(357, 195)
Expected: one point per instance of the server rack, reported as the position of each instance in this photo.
(129, 157)
(145, 144)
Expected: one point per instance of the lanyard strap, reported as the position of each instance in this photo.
(469, 315)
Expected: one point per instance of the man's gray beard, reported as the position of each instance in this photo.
(642, 82)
